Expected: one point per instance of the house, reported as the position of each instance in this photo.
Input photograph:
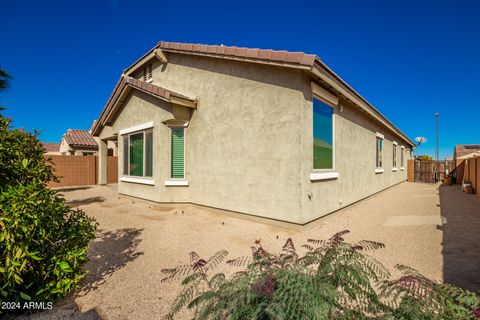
(464, 149)
(461, 153)
(77, 142)
(272, 134)
(51, 148)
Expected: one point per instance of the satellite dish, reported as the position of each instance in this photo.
(420, 140)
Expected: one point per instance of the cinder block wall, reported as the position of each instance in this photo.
(73, 171)
(80, 170)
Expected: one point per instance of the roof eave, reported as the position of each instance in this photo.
(327, 75)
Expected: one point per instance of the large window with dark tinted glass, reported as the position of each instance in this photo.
(137, 154)
(323, 151)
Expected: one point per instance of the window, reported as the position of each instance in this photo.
(379, 151)
(394, 155)
(402, 156)
(137, 154)
(323, 148)
(87, 153)
(178, 153)
(147, 72)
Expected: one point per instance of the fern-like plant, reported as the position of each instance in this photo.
(333, 279)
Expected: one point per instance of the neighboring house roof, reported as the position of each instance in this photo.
(80, 138)
(464, 149)
(51, 146)
(308, 62)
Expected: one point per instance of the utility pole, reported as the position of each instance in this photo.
(436, 135)
(436, 146)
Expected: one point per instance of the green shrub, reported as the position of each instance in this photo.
(43, 242)
(334, 279)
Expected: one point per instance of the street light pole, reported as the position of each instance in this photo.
(436, 135)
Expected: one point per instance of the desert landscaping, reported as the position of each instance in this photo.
(137, 239)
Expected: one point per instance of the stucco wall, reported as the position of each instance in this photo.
(249, 143)
(355, 161)
(242, 144)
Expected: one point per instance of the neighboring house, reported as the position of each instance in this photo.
(461, 153)
(51, 148)
(274, 134)
(462, 150)
(79, 143)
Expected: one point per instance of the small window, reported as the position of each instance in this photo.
(402, 155)
(379, 152)
(178, 153)
(322, 135)
(137, 154)
(394, 155)
(147, 72)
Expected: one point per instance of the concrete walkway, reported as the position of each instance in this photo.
(138, 239)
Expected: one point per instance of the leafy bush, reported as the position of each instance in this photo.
(334, 279)
(43, 242)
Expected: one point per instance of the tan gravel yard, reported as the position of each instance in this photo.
(137, 239)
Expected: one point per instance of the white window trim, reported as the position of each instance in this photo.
(381, 136)
(327, 170)
(176, 183)
(395, 143)
(149, 80)
(402, 157)
(127, 135)
(318, 176)
(140, 127)
(139, 180)
(394, 169)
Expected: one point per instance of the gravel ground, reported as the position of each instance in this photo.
(137, 239)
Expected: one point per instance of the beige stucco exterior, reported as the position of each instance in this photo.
(248, 145)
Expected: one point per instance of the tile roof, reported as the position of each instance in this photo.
(51, 146)
(80, 138)
(282, 56)
(464, 149)
(149, 88)
(154, 89)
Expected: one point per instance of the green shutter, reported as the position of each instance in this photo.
(178, 153)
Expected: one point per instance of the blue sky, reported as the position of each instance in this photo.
(410, 59)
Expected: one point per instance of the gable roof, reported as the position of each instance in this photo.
(309, 62)
(80, 138)
(465, 149)
(51, 146)
(121, 90)
(250, 54)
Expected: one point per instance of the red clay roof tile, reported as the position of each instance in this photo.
(50, 146)
(298, 58)
(82, 138)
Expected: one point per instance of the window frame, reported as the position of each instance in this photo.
(184, 152)
(394, 156)
(402, 157)
(333, 168)
(379, 152)
(127, 136)
(178, 182)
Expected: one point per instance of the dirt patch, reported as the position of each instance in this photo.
(139, 238)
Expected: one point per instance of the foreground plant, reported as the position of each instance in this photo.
(43, 242)
(334, 279)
